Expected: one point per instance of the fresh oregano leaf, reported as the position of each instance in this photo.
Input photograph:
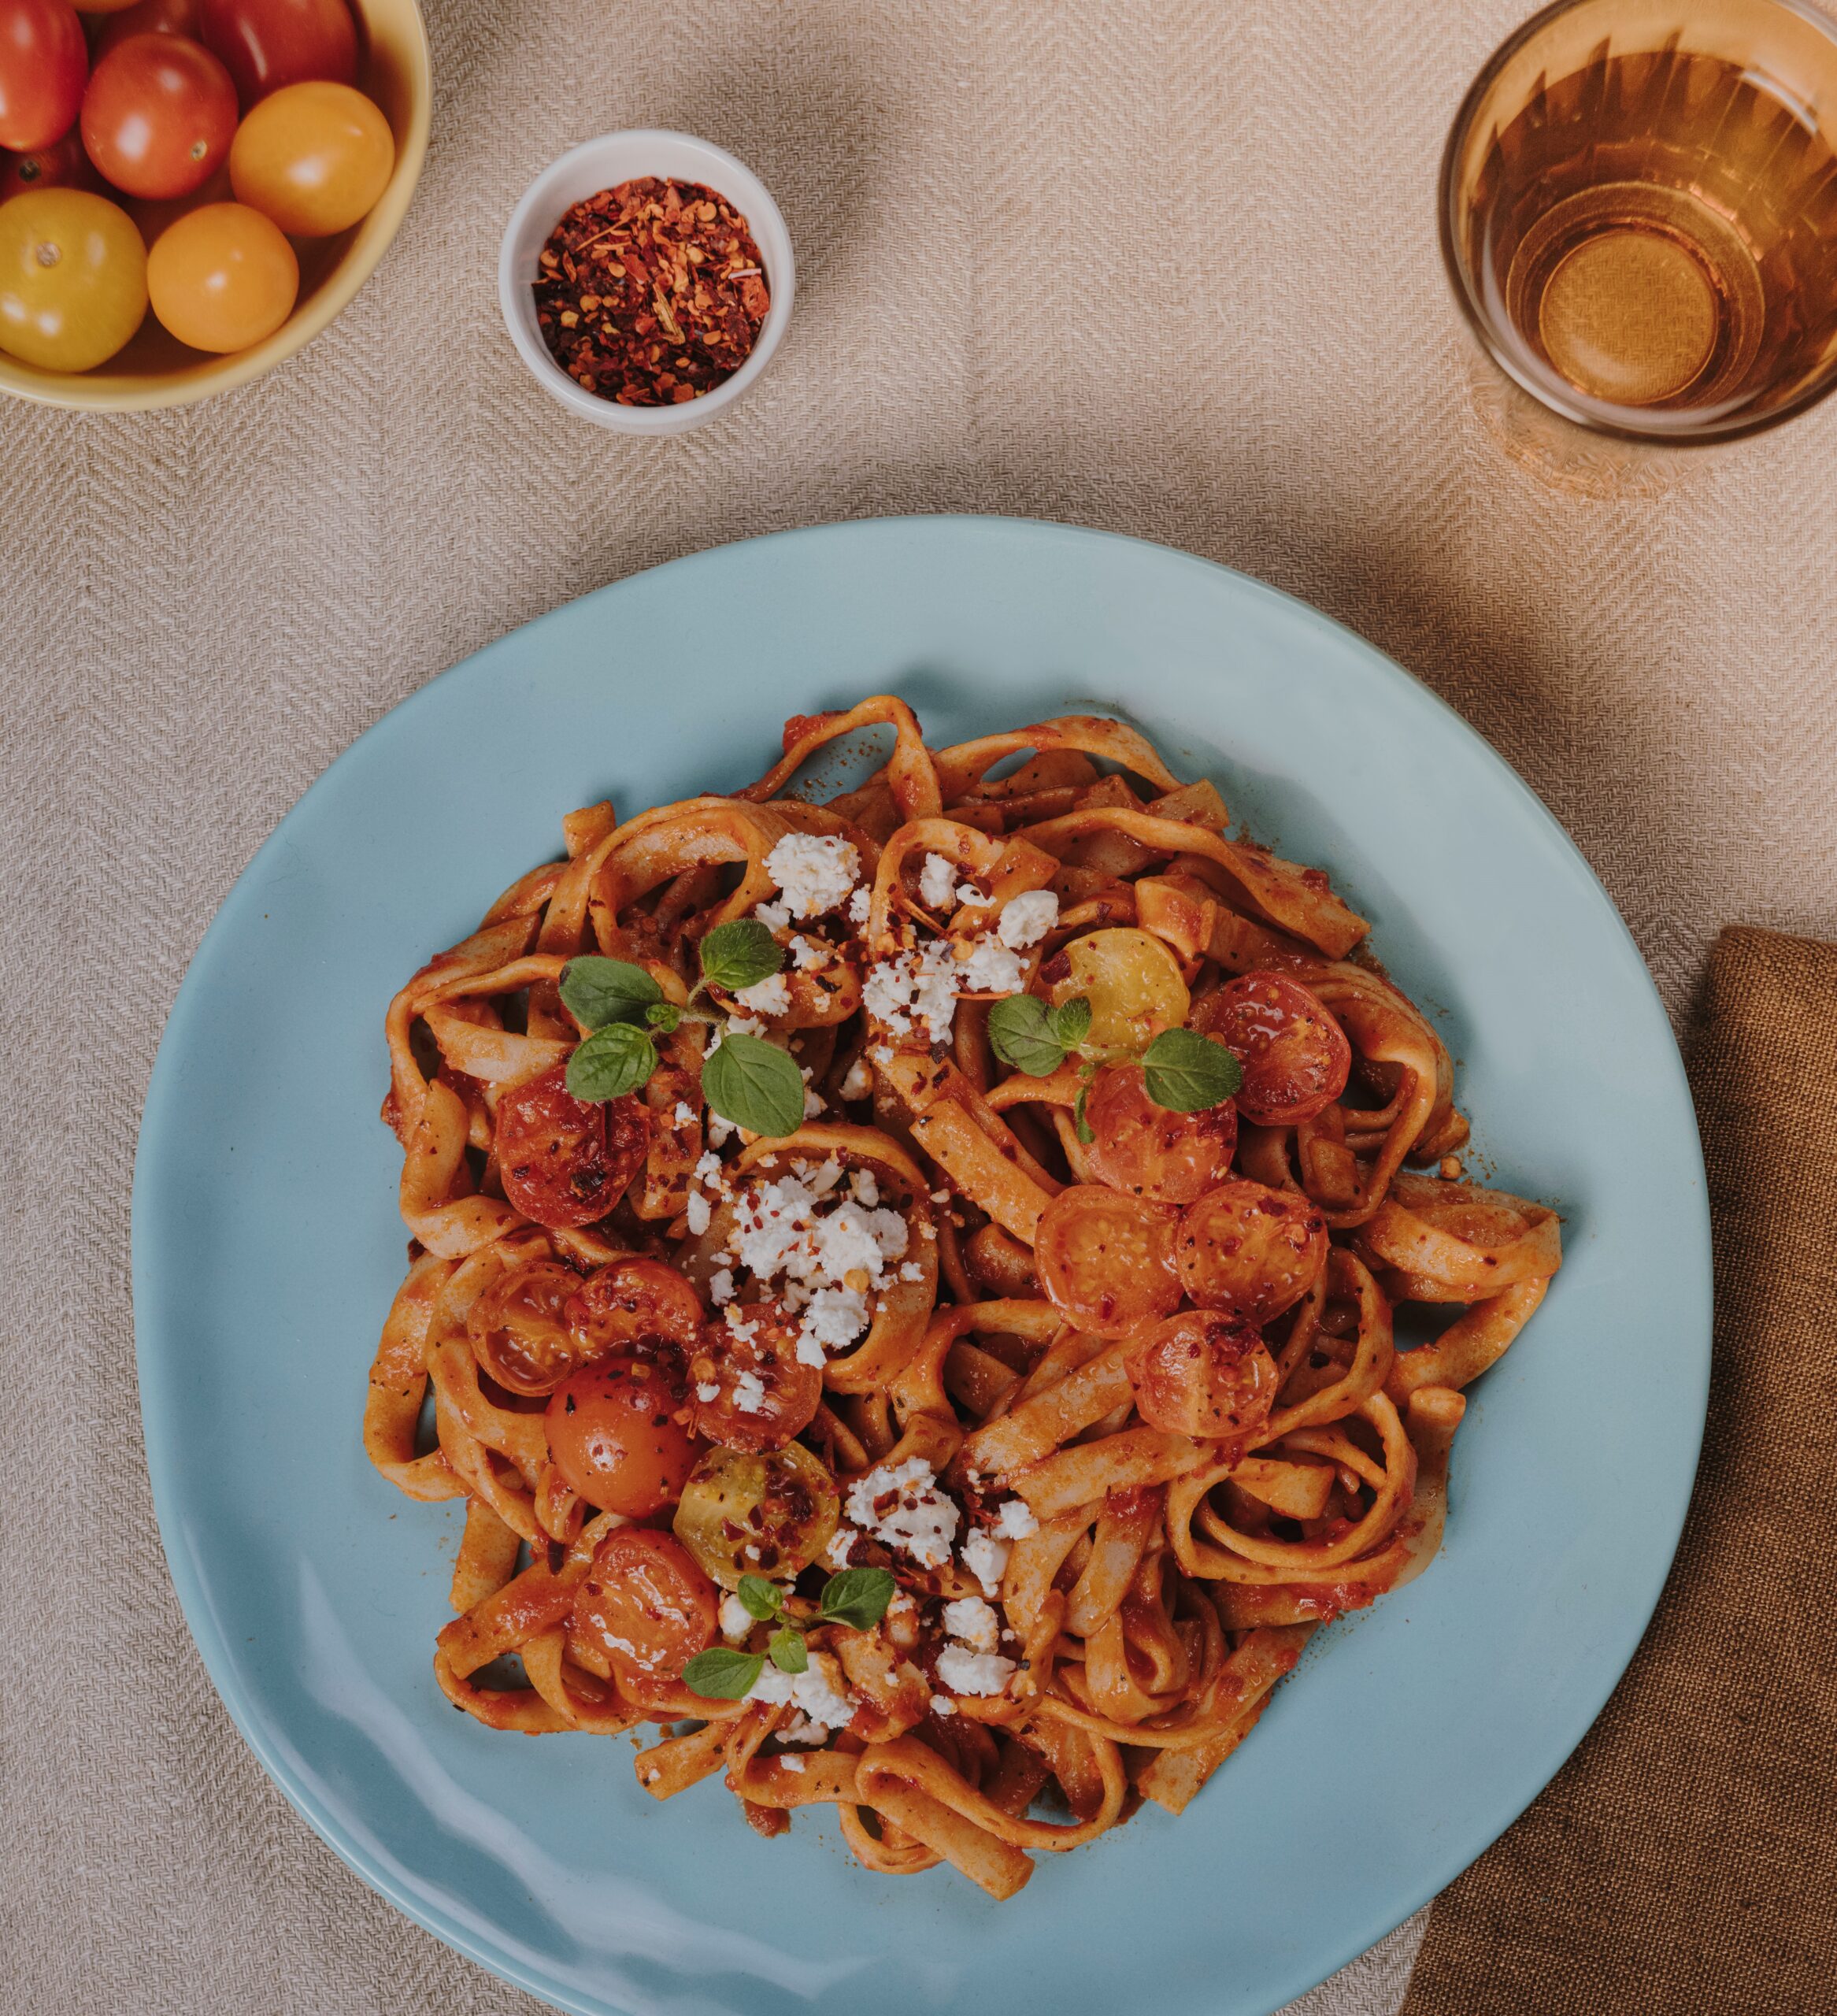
(755, 1085)
(740, 954)
(789, 1652)
(722, 1674)
(1020, 1035)
(759, 1598)
(858, 1597)
(616, 1059)
(1186, 1073)
(595, 992)
(663, 1016)
(1080, 1126)
(1070, 1022)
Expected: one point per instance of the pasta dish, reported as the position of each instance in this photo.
(904, 1288)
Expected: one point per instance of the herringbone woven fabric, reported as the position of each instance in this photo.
(1165, 266)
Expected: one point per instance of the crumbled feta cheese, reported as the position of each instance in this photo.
(967, 892)
(920, 1519)
(770, 996)
(1015, 1520)
(857, 1080)
(975, 1622)
(720, 1286)
(685, 1114)
(708, 1170)
(1026, 918)
(814, 1693)
(859, 905)
(744, 1332)
(922, 983)
(736, 1621)
(940, 1196)
(863, 1188)
(831, 1321)
(808, 952)
(719, 1131)
(829, 1261)
(774, 917)
(910, 1270)
(697, 1211)
(836, 1553)
(706, 1394)
(741, 1025)
(814, 871)
(792, 1763)
(936, 881)
(941, 1704)
(750, 1393)
(991, 969)
(814, 1103)
(986, 1559)
(965, 1671)
(800, 1729)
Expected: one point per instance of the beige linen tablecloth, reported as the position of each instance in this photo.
(1168, 269)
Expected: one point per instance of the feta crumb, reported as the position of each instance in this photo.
(922, 983)
(986, 1559)
(744, 1332)
(975, 1622)
(720, 1285)
(920, 1521)
(708, 1170)
(967, 892)
(808, 952)
(719, 1131)
(774, 917)
(859, 905)
(991, 969)
(1026, 918)
(910, 1270)
(814, 1103)
(696, 1210)
(836, 1553)
(1015, 1520)
(735, 1621)
(863, 1188)
(965, 1671)
(813, 1692)
(685, 1114)
(706, 1394)
(936, 881)
(857, 1080)
(792, 1763)
(770, 996)
(831, 1321)
(742, 1025)
(750, 1393)
(814, 871)
(941, 1704)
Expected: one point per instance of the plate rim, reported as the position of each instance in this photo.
(245, 1708)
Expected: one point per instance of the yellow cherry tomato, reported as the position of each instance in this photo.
(223, 277)
(72, 279)
(1131, 981)
(313, 157)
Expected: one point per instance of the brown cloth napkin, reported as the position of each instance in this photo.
(1685, 1858)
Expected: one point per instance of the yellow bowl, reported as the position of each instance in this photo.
(157, 370)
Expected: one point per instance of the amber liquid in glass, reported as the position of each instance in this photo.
(1661, 230)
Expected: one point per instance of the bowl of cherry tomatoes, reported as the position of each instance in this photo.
(191, 190)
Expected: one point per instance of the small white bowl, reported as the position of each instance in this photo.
(603, 164)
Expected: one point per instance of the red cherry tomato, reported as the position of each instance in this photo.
(633, 1302)
(267, 43)
(517, 1332)
(752, 1392)
(1149, 1151)
(148, 17)
(1205, 1374)
(613, 1435)
(564, 1161)
(1295, 1056)
(1247, 1248)
(159, 115)
(44, 60)
(647, 1608)
(64, 165)
(1106, 1261)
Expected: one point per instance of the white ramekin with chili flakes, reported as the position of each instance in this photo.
(527, 290)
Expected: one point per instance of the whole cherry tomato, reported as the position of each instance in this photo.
(647, 1607)
(159, 115)
(148, 17)
(564, 1161)
(64, 165)
(313, 157)
(107, 6)
(613, 1435)
(72, 279)
(44, 60)
(267, 43)
(222, 277)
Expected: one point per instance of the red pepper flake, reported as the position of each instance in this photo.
(651, 294)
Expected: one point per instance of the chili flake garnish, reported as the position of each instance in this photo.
(651, 294)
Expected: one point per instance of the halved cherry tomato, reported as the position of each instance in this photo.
(313, 157)
(563, 1161)
(149, 17)
(1149, 1151)
(518, 1332)
(633, 1302)
(72, 279)
(751, 1390)
(647, 1607)
(222, 278)
(1204, 1374)
(159, 115)
(44, 60)
(1246, 1247)
(1106, 1261)
(267, 43)
(1131, 981)
(769, 1514)
(1295, 1056)
(614, 1436)
(65, 164)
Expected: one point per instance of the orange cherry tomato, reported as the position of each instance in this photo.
(645, 1605)
(44, 60)
(149, 17)
(1106, 1261)
(1204, 1374)
(222, 278)
(313, 157)
(564, 1161)
(1149, 1151)
(1295, 1056)
(752, 1390)
(159, 115)
(65, 164)
(72, 279)
(614, 1436)
(518, 1331)
(633, 1302)
(1246, 1247)
(267, 43)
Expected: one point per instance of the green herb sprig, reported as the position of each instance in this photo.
(858, 1597)
(752, 1083)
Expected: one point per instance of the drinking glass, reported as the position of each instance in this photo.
(1639, 213)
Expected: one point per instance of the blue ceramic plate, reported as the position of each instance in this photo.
(266, 1248)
